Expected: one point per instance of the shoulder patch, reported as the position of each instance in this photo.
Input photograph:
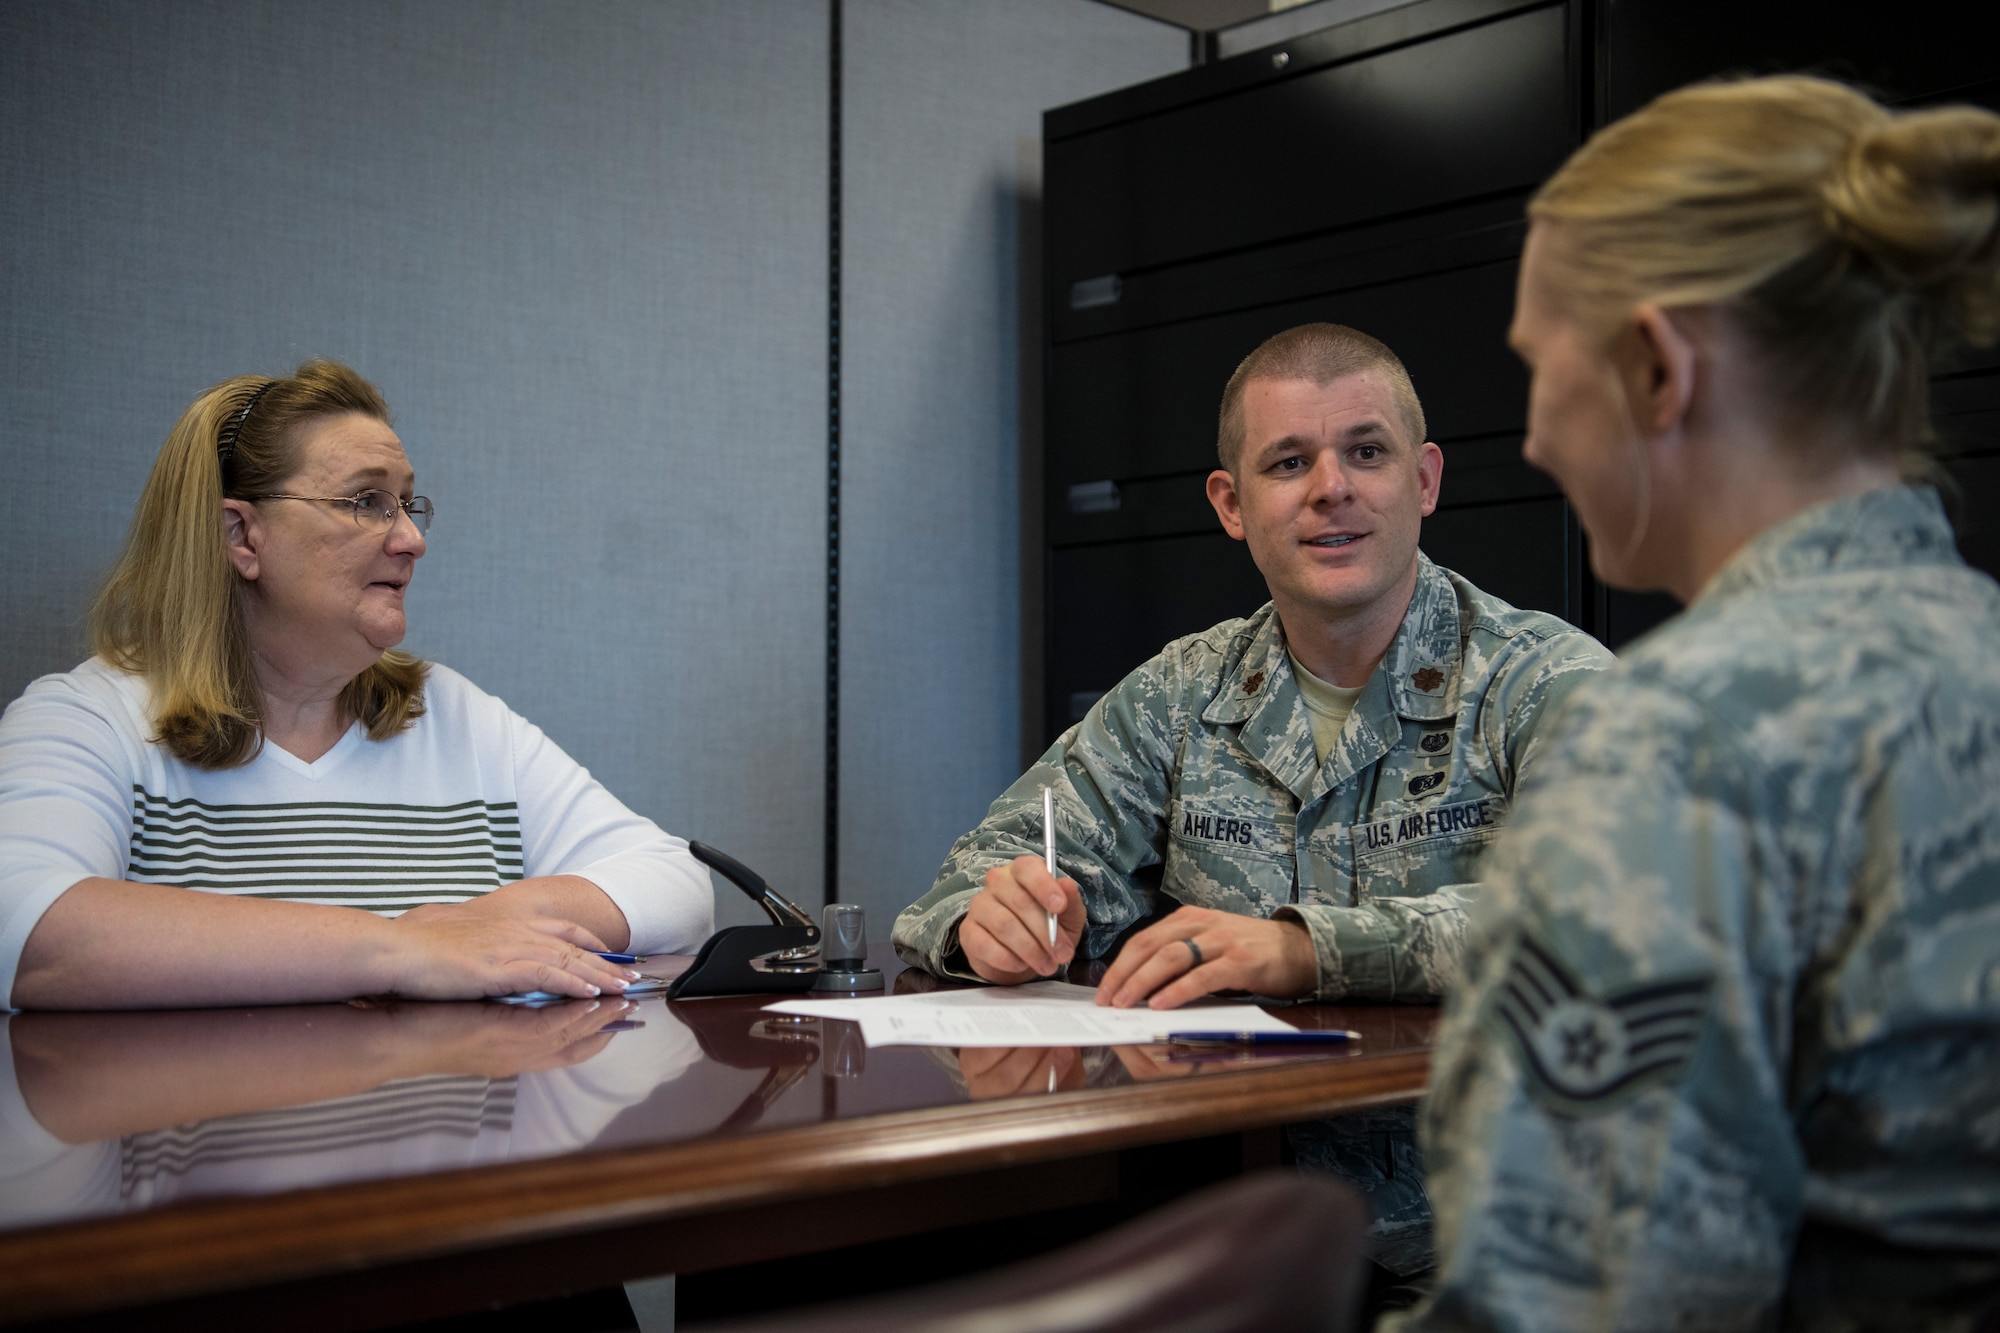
(1583, 1054)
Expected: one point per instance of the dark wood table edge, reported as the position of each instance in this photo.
(219, 1245)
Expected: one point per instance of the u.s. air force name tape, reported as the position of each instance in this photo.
(1582, 1054)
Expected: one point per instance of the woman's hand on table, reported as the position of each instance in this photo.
(458, 952)
(109, 944)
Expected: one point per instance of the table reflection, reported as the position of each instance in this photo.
(989, 1072)
(110, 1112)
(104, 1112)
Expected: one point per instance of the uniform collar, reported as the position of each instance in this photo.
(1418, 678)
(1422, 665)
(1259, 694)
(1902, 525)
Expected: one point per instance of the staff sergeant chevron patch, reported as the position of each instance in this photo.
(1583, 1055)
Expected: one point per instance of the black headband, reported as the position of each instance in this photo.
(225, 442)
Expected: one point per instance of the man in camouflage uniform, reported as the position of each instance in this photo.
(1729, 1044)
(1306, 855)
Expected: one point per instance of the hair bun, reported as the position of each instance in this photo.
(1919, 194)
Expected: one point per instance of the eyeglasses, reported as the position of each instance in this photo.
(374, 511)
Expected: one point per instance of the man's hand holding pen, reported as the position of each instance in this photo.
(1005, 930)
(1192, 953)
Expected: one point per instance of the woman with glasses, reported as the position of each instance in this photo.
(1727, 1053)
(248, 795)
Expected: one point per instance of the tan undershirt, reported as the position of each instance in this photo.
(1327, 706)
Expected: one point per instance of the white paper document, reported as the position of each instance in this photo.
(1041, 1013)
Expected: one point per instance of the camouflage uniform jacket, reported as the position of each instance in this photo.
(1196, 779)
(1737, 965)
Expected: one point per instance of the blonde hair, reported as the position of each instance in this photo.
(1321, 353)
(1850, 243)
(171, 610)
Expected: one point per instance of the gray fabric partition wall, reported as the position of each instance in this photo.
(582, 249)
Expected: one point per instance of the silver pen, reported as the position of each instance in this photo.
(1049, 848)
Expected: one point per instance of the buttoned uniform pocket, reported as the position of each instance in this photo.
(1226, 856)
(1414, 853)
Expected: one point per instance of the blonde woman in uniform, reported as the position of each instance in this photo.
(1728, 1055)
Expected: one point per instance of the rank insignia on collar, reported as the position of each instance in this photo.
(1583, 1055)
(1427, 678)
(1253, 682)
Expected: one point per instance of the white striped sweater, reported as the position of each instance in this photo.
(380, 856)
(471, 797)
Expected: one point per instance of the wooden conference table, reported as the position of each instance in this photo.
(348, 1167)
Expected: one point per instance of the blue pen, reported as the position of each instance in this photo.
(619, 957)
(1327, 1037)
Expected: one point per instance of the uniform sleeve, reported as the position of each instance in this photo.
(65, 808)
(1389, 949)
(1110, 774)
(570, 825)
(1606, 1138)
(1409, 948)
